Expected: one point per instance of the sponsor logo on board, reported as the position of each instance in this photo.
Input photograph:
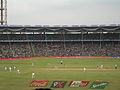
(99, 84)
(43, 83)
(58, 84)
(78, 83)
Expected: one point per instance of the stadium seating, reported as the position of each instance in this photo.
(59, 41)
(32, 49)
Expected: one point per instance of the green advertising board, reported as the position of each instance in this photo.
(99, 84)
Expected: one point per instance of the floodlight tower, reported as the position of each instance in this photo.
(3, 12)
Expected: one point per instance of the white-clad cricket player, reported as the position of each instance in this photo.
(10, 69)
(33, 75)
(61, 62)
(116, 66)
(5, 68)
(18, 71)
(14, 67)
(84, 69)
(101, 66)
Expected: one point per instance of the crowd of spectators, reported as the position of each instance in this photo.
(41, 49)
(63, 48)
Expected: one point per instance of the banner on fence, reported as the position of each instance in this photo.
(58, 84)
(43, 83)
(99, 84)
(78, 83)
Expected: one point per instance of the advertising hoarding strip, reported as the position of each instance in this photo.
(99, 84)
(78, 83)
(42, 83)
(58, 84)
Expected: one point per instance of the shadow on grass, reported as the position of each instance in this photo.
(43, 89)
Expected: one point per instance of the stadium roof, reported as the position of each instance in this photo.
(58, 28)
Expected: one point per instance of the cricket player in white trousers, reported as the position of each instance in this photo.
(101, 66)
(10, 69)
(5, 68)
(18, 71)
(84, 69)
(33, 75)
(14, 67)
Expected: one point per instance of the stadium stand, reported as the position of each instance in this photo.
(59, 41)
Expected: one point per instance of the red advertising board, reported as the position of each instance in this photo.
(78, 83)
(43, 83)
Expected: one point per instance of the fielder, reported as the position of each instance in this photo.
(14, 67)
(18, 71)
(116, 66)
(10, 69)
(61, 62)
(33, 75)
(84, 69)
(5, 68)
(101, 66)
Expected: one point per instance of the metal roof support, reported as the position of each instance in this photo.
(3, 12)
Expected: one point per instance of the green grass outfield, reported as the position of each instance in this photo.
(51, 69)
